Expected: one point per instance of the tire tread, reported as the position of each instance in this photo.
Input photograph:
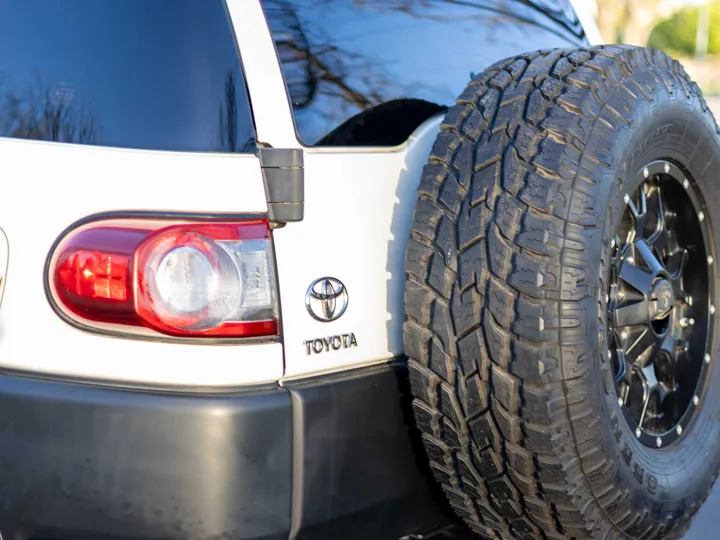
(496, 275)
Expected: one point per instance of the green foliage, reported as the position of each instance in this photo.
(677, 34)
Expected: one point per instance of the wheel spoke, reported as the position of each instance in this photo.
(661, 243)
(624, 374)
(658, 237)
(676, 278)
(638, 345)
(618, 242)
(670, 345)
(639, 214)
(635, 277)
(631, 314)
(646, 252)
(677, 272)
(661, 209)
(625, 391)
(674, 348)
(650, 387)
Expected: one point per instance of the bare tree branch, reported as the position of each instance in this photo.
(49, 113)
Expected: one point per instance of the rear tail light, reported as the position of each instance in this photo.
(185, 279)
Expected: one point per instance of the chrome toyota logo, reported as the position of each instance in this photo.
(326, 299)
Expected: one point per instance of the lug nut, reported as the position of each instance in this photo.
(686, 184)
(626, 198)
(710, 260)
(688, 300)
(701, 216)
(691, 321)
(620, 401)
(667, 168)
(609, 355)
(612, 242)
(678, 430)
(630, 259)
(646, 173)
(607, 298)
(685, 322)
(658, 441)
(621, 295)
(712, 309)
(706, 358)
(623, 335)
(696, 400)
(638, 433)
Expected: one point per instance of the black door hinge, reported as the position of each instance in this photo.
(284, 179)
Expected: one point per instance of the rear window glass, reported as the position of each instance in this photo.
(343, 57)
(147, 74)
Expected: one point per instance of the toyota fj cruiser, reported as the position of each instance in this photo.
(349, 269)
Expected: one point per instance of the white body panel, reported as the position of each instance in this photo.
(263, 75)
(586, 11)
(56, 185)
(358, 212)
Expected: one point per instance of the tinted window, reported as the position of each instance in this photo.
(150, 74)
(342, 57)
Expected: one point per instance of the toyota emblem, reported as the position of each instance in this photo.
(326, 299)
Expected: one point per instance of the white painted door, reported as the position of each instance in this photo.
(358, 210)
(340, 269)
(92, 122)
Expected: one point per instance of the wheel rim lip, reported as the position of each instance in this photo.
(668, 168)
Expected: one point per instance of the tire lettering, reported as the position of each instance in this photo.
(639, 471)
(652, 483)
(659, 131)
(627, 453)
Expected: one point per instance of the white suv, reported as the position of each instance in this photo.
(231, 226)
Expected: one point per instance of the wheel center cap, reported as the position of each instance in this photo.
(661, 299)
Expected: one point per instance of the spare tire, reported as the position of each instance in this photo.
(561, 284)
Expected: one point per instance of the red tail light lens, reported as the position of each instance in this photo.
(92, 274)
(197, 279)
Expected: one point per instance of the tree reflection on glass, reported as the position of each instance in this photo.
(339, 61)
(47, 112)
(315, 66)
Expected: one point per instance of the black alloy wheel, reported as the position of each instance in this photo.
(659, 304)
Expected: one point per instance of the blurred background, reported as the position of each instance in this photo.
(688, 30)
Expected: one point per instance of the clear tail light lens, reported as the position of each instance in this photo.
(184, 279)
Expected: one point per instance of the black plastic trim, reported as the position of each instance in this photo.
(285, 186)
(356, 472)
(283, 175)
(286, 212)
(330, 457)
(281, 157)
(83, 463)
